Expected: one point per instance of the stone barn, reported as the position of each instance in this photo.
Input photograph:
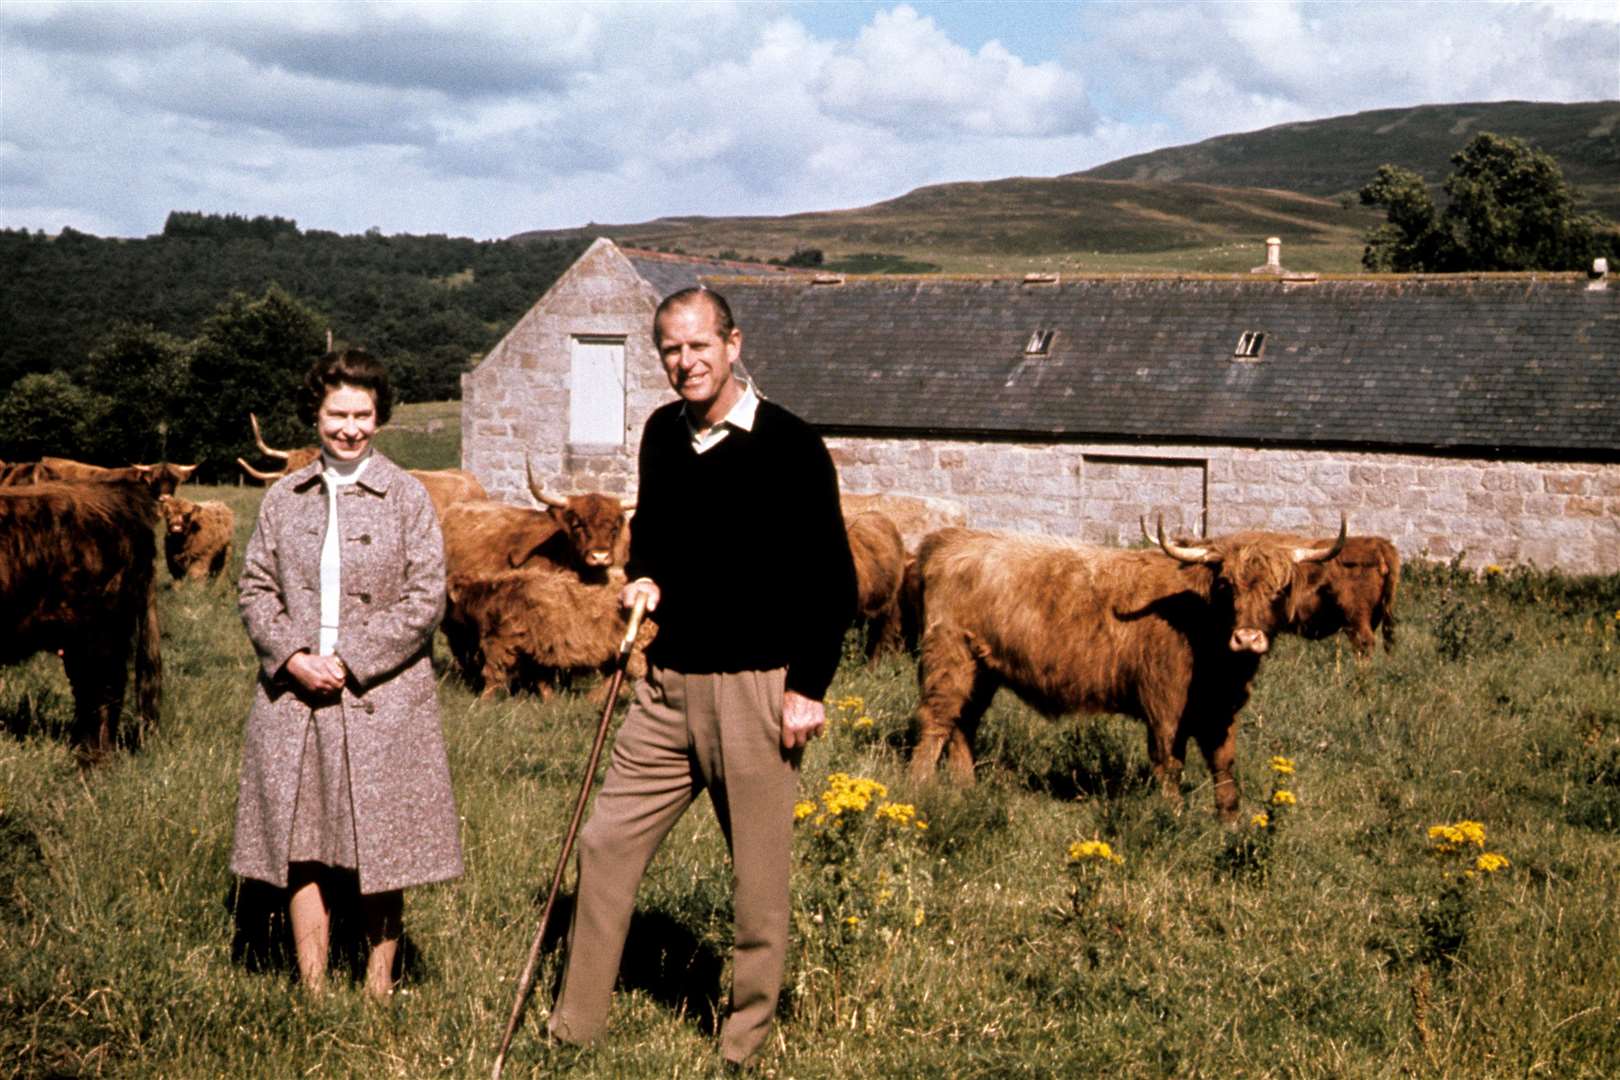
(1473, 414)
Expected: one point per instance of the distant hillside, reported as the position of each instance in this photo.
(1326, 157)
(1205, 207)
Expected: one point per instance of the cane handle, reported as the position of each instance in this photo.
(633, 627)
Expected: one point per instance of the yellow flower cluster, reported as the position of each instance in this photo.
(1282, 766)
(1283, 798)
(1093, 851)
(803, 809)
(1449, 838)
(1490, 862)
(853, 708)
(845, 792)
(1493, 570)
(900, 813)
(1261, 820)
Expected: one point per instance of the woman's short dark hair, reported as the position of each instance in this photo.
(351, 367)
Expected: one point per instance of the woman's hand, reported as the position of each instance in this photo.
(317, 674)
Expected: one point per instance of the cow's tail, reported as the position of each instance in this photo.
(1386, 602)
(148, 660)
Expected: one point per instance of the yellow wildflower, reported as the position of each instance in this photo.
(1260, 821)
(1492, 570)
(1098, 850)
(803, 809)
(899, 813)
(852, 920)
(1283, 798)
(1491, 862)
(1449, 838)
(1282, 766)
(864, 722)
(917, 919)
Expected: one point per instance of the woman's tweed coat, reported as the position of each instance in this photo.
(406, 828)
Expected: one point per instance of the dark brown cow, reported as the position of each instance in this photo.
(530, 627)
(198, 538)
(292, 460)
(880, 561)
(160, 479)
(77, 572)
(1171, 637)
(1354, 593)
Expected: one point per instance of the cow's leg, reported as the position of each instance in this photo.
(946, 673)
(883, 633)
(1217, 738)
(96, 671)
(1361, 636)
(959, 749)
(1163, 712)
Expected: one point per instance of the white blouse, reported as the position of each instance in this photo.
(334, 474)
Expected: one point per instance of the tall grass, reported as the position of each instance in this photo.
(119, 920)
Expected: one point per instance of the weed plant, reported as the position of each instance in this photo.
(128, 949)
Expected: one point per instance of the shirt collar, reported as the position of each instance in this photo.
(740, 417)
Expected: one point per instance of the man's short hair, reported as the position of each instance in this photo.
(723, 321)
(351, 367)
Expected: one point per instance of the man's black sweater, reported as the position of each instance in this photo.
(746, 543)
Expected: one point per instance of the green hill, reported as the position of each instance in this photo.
(1204, 207)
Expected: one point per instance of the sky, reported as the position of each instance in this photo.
(489, 119)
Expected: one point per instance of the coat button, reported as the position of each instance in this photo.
(370, 706)
(365, 598)
(365, 538)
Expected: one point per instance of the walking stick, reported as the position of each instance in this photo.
(526, 980)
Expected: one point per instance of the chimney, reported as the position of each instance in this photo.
(1273, 257)
(1597, 278)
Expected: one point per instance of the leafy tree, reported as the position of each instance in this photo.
(250, 357)
(1508, 208)
(143, 372)
(48, 415)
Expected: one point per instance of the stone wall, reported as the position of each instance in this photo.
(1553, 515)
(514, 405)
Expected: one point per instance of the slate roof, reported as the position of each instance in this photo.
(1509, 365)
(671, 273)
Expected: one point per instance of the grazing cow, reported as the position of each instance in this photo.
(580, 533)
(880, 560)
(293, 460)
(198, 537)
(1172, 637)
(914, 515)
(446, 487)
(77, 571)
(160, 479)
(532, 626)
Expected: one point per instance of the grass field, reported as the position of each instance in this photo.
(1331, 943)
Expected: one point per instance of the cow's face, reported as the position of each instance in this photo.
(592, 523)
(179, 515)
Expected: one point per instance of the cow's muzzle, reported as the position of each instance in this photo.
(598, 558)
(1247, 639)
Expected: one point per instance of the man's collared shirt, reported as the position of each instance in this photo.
(740, 417)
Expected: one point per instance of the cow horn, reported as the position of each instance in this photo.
(626, 505)
(1307, 554)
(539, 492)
(1176, 551)
(257, 475)
(282, 454)
(185, 470)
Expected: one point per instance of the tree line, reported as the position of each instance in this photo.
(1507, 207)
(116, 350)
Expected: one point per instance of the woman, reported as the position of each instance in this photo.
(343, 763)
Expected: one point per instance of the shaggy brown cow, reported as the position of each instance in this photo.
(198, 537)
(77, 567)
(1354, 593)
(880, 560)
(160, 479)
(18, 473)
(914, 515)
(579, 533)
(446, 487)
(1171, 637)
(293, 460)
(532, 626)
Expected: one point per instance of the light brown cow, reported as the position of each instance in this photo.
(160, 479)
(880, 560)
(580, 533)
(292, 460)
(77, 565)
(532, 627)
(1173, 637)
(914, 515)
(198, 538)
(446, 487)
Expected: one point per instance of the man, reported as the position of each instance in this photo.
(740, 551)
